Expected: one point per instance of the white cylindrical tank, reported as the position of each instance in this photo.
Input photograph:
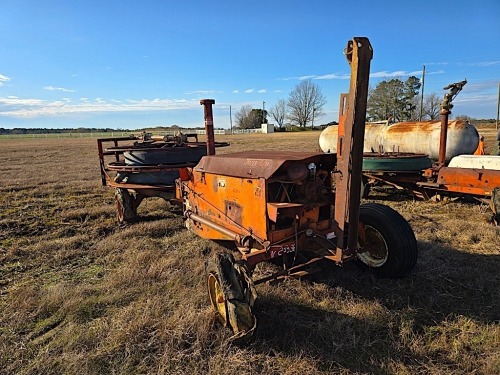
(476, 161)
(417, 137)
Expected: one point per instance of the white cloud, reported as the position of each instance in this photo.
(299, 78)
(436, 63)
(262, 91)
(488, 63)
(397, 73)
(3, 79)
(481, 86)
(435, 72)
(381, 74)
(200, 92)
(249, 91)
(333, 76)
(25, 108)
(306, 77)
(481, 63)
(236, 91)
(15, 101)
(478, 98)
(52, 88)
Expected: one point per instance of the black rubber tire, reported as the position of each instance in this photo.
(402, 250)
(238, 294)
(125, 206)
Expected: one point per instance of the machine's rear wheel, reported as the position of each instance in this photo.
(387, 242)
(232, 294)
(125, 206)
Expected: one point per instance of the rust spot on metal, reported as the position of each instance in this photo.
(422, 126)
(256, 164)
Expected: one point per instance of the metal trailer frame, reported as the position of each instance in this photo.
(473, 182)
(129, 196)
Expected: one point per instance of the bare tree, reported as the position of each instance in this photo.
(278, 111)
(305, 103)
(432, 106)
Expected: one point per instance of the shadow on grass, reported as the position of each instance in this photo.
(446, 282)
(334, 340)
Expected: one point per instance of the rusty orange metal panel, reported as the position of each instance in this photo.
(258, 164)
(238, 204)
(469, 180)
(287, 209)
(344, 99)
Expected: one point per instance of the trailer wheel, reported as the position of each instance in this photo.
(232, 294)
(125, 206)
(388, 240)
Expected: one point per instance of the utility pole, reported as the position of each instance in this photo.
(230, 120)
(422, 95)
(498, 104)
(263, 108)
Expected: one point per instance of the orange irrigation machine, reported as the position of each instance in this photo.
(295, 208)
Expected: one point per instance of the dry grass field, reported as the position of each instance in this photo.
(81, 295)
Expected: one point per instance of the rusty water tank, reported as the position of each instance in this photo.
(417, 137)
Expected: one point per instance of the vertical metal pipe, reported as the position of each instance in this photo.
(209, 124)
(101, 162)
(443, 136)
(446, 107)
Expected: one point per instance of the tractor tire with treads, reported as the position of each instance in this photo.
(125, 206)
(232, 294)
(388, 240)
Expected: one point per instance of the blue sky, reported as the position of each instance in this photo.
(130, 64)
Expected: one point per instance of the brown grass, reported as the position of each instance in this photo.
(81, 295)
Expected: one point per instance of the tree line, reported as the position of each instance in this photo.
(21, 131)
(399, 100)
(305, 104)
(394, 99)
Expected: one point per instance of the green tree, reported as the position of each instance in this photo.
(394, 98)
(305, 103)
(261, 115)
(411, 89)
(248, 118)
